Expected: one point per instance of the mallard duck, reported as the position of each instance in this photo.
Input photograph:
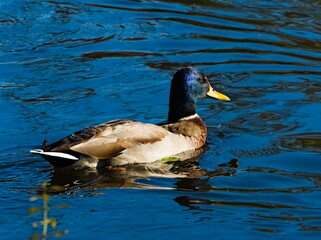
(121, 142)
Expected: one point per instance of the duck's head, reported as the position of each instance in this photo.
(188, 85)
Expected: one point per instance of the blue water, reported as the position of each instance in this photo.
(66, 65)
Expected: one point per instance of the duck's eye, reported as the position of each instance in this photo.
(200, 80)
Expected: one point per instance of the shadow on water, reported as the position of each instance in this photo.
(187, 171)
(304, 142)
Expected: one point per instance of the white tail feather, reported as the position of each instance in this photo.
(55, 154)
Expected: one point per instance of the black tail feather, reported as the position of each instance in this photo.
(58, 162)
(44, 145)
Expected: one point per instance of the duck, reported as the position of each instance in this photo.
(122, 142)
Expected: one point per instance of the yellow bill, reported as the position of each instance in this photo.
(215, 94)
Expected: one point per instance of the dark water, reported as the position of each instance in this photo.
(67, 65)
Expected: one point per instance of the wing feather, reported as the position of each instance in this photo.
(110, 139)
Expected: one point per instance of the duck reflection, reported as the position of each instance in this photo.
(187, 170)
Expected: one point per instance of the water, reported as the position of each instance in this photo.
(66, 65)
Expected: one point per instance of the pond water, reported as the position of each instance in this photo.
(67, 64)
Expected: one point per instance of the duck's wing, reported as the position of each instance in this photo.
(109, 139)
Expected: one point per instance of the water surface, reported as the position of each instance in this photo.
(66, 65)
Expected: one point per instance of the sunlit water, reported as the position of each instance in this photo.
(65, 66)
